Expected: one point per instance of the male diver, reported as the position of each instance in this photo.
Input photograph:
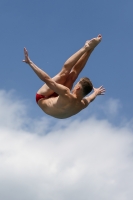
(55, 97)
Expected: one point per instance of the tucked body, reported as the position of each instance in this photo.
(56, 97)
(62, 106)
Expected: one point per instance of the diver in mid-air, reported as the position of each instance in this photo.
(55, 97)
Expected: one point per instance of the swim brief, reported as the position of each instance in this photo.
(40, 96)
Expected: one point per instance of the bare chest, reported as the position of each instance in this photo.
(61, 107)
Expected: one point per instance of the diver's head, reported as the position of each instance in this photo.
(83, 87)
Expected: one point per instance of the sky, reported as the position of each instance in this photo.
(87, 156)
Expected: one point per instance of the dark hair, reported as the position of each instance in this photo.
(86, 85)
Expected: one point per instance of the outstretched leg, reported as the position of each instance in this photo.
(78, 67)
(62, 76)
(72, 67)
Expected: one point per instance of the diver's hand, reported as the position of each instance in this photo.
(27, 59)
(99, 91)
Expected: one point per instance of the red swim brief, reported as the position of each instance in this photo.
(40, 96)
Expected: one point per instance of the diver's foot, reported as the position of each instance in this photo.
(91, 44)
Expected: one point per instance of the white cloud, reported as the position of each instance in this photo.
(12, 111)
(89, 159)
(112, 106)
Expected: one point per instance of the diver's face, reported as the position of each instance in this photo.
(76, 87)
(77, 84)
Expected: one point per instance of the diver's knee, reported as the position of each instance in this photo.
(73, 76)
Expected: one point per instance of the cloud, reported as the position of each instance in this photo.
(111, 107)
(73, 159)
(12, 111)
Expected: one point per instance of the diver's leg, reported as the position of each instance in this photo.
(62, 76)
(74, 64)
(80, 64)
(78, 67)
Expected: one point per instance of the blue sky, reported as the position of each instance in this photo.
(52, 31)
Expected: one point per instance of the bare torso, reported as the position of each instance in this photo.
(62, 106)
